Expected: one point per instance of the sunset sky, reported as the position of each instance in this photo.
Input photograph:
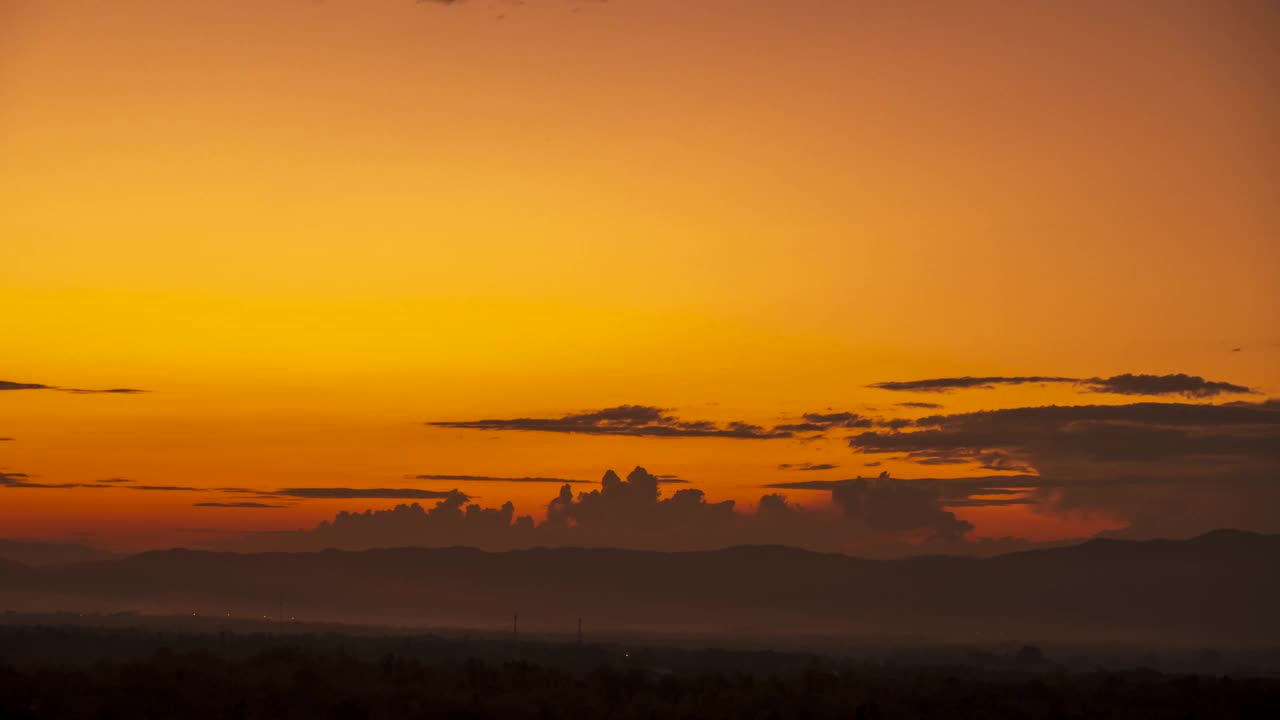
(343, 244)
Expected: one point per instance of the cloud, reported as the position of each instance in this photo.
(1171, 469)
(627, 420)
(20, 480)
(633, 513)
(823, 422)
(490, 479)
(965, 383)
(365, 493)
(255, 505)
(13, 479)
(110, 391)
(897, 506)
(23, 480)
(1133, 432)
(920, 406)
(807, 467)
(1180, 384)
(6, 385)
(1191, 386)
(954, 492)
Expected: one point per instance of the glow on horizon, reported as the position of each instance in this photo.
(307, 229)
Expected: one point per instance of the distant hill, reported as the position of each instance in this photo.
(15, 575)
(1217, 589)
(36, 552)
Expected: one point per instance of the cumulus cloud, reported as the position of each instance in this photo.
(628, 420)
(896, 506)
(633, 513)
(1180, 384)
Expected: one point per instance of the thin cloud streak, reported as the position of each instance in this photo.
(243, 505)
(1179, 384)
(492, 479)
(624, 420)
(7, 385)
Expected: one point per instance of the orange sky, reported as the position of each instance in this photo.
(307, 228)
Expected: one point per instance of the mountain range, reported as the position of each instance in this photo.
(1219, 589)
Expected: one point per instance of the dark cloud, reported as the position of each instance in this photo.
(897, 506)
(920, 406)
(1165, 468)
(807, 467)
(954, 492)
(822, 422)
(254, 505)
(632, 513)
(488, 478)
(13, 479)
(629, 420)
(1191, 386)
(965, 383)
(23, 480)
(1180, 384)
(1134, 432)
(838, 420)
(6, 385)
(20, 480)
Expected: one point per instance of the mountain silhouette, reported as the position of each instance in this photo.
(1217, 589)
(34, 552)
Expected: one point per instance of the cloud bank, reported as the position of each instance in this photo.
(632, 513)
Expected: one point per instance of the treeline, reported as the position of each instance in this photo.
(296, 681)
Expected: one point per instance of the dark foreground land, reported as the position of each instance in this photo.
(81, 672)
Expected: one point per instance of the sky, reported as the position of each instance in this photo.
(342, 246)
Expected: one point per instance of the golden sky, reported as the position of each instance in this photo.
(309, 228)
